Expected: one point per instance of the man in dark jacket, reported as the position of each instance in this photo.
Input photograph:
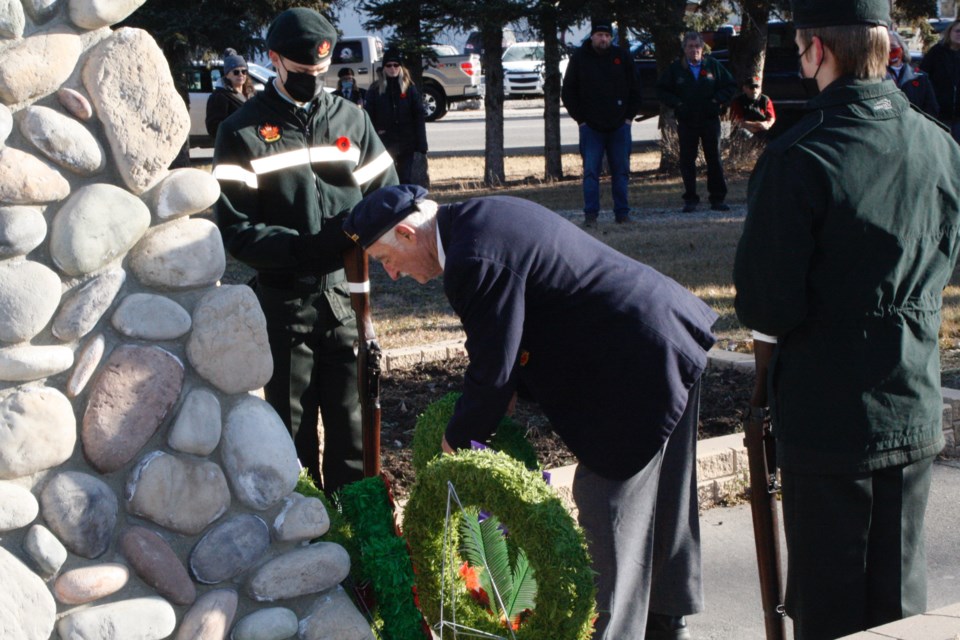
(601, 92)
(291, 162)
(697, 87)
(549, 310)
(850, 237)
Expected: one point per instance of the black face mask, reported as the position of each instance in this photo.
(809, 85)
(302, 87)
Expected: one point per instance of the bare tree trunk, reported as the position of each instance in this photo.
(667, 43)
(553, 165)
(494, 174)
(748, 50)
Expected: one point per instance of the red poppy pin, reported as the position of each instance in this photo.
(616, 61)
(915, 83)
(323, 50)
(703, 73)
(403, 96)
(524, 358)
(269, 132)
(343, 143)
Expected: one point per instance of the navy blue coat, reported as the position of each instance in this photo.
(607, 346)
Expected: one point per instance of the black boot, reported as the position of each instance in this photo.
(661, 627)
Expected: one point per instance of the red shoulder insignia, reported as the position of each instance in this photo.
(269, 132)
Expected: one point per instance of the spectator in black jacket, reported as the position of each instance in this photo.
(914, 83)
(347, 88)
(601, 92)
(230, 93)
(396, 110)
(942, 64)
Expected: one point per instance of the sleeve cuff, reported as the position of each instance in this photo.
(762, 337)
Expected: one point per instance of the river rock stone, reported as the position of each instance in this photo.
(130, 399)
(41, 10)
(147, 316)
(75, 102)
(12, 20)
(22, 77)
(38, 431)
(229, 549)
(157, 564)
(312, 569)
(273, 623)
(81, 511)
(97, 225)
(258, 454)
(137, 619)
(63, 140)
(334, 617)
(302, 518)
(88, 358)
(29, 295)
(210, 616)
(185, 192)
(198, 425)
(86, 584)
(83, 307)
(47, 553)
(25, 363)
(145, 122)
(27, 610)
(93, 14)
(22, 229)
(182, 254)
(181, 494)
(6, 118)
(228, 345)
(18, 507)
(25, 179)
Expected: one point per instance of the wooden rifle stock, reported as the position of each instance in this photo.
(368, 357)
(764, 487)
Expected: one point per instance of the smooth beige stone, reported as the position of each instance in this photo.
(22, 78)
(86, 584)
(24, 179)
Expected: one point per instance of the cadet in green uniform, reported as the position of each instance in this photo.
(291, 163)
(850, 238)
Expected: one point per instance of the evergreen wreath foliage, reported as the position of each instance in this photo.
(432, 423)
(538, 523)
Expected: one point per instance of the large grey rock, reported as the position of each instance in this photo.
(83, 307)
(86, 584)
(97, 225)
(334, 617)
(302, 518)
(147, 316)
(185, 192)
(81, 510)
(198, 425)
(273, 623)
(258, 454)
(22, 77)
(47, 553)
(25, 179)
(75, 102)
(181, 494)
(303, 571)
(131, 397)
(18, 507)
(22, 229)
(27, 610)
(145, 122)
(229, 549)
(6, 118)
(138, 619)
(29, 295)
(25, 363)
(210, 616)
(93, 14)
(12, 21)
(37, 431)
(152, 558)
(63, 140)
(41, 10)
(183, 254)
(228, 345)
(88, 358)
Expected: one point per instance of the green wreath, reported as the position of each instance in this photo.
(431, 424)
(538, 523)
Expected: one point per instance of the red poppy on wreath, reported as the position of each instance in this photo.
(343, 143)
(616, 61)
(269, 132)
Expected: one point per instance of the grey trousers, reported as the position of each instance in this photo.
(643, 534)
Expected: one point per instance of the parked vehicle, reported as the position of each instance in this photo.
(523, 69)
(475, 41)
(200, 78)
(447, 79)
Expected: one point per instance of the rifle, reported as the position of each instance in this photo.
(764, 487)
(369, 353)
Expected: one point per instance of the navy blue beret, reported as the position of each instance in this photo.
(381, 211)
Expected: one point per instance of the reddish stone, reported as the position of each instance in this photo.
(157, 564)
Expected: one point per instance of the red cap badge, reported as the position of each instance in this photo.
(324, 49)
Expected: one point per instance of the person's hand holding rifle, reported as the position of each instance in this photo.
(764, 486)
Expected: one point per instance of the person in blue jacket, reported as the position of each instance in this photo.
(611, 350)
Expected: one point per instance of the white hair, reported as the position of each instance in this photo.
(422, 219)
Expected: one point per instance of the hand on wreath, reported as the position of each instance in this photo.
(446, 446)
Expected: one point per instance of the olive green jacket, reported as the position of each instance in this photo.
(849, 240)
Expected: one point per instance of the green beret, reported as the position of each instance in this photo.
(809, 14)
(302, 35)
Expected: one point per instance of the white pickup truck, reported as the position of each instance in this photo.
(451, 78)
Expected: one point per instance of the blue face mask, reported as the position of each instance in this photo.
(347, 84)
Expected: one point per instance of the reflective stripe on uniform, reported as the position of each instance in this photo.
(234, 173)
(372, 169)
(313, 155)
